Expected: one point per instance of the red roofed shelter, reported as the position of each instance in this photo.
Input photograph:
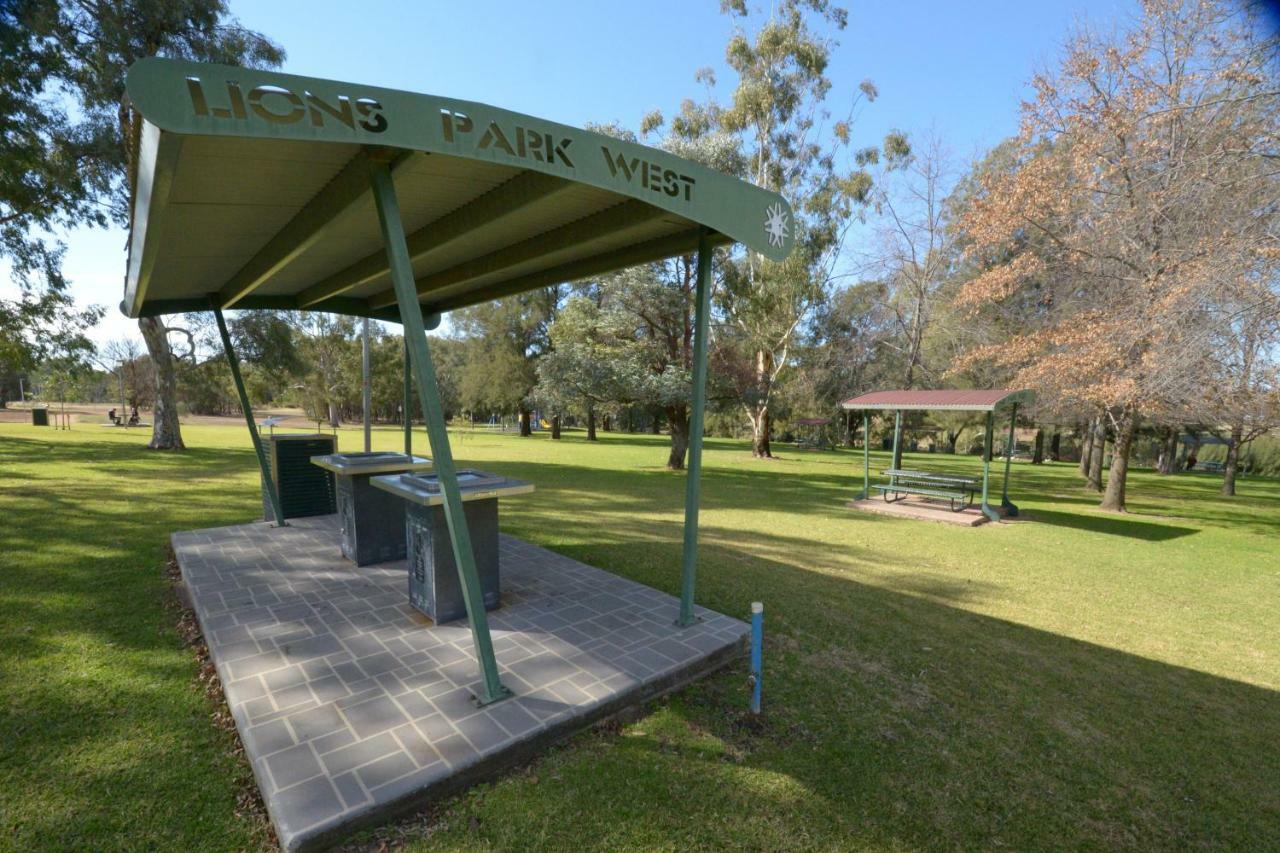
(990, 401)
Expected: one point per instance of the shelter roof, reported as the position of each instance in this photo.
(252, 191)
(941, 400)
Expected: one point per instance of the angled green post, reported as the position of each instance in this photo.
(273, 493)
(415, 333)
(408, 400)
(897, 436)
(701, 325)
(1007, 505)
(866, 455)
(986, 471)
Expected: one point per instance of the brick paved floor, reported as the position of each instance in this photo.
(353, 707)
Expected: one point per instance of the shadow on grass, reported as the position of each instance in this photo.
(1146, 530)
(880, 701)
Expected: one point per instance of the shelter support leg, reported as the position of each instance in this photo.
(1007, 505)
(987, 510)
(273, 493)
(408, 400)
(415, 333)
(702, 312)
(866, 456)
(897, 437)
(366, 388)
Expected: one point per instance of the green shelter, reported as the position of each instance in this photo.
(990, 402)
(256, 189)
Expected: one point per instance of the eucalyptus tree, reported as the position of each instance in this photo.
(588, 365)
(50, 178)
(790, 145)
(504, 341)
(92, 44)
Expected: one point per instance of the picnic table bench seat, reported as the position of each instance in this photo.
(957, 490)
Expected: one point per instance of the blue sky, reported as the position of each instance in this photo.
(958, 68)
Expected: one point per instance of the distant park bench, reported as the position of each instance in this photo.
(1211, 466)
(957, 490)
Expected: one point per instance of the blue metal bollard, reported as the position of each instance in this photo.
(757, 649)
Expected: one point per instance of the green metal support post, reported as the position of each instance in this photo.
(273, 493)
(897, 436)
(986, 471)
(415, 333)
(866, 455)
(408, 400)
(702, 312)
(1007, 505)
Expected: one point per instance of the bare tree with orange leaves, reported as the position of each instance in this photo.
(1145, 182)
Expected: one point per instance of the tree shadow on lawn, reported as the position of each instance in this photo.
(1111, 525)
(133, 464)
(910, 722)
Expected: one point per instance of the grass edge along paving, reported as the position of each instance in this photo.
(1080, 679)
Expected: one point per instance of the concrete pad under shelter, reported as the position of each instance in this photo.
(353, 707)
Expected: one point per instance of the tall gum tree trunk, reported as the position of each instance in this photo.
(758, 411)
(1086, 449)
(526, 427)
(678, 417)
(591, 423)
(1055, 446)
(166, 431)
(1114, 497)
(1168, 462)
(1098, 454)
(1037, 458)
(761, 426)
(555, 427)
(1233, 460)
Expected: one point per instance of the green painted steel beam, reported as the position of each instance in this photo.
(339, 305)
(408, 400)
(1007, 505)
(400, 265)
(897, 437)
(987, 510)
(273, 491)
(317, 218)
(158, 154)
(653, 250)
(616, 220)
(866, 456)
(693, 479)
(515, 195)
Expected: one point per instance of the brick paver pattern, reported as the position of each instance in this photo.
(347, 699)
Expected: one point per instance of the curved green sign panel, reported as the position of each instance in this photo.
(220, 100)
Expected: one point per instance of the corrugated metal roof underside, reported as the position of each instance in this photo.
(940, 400)
(505, 229)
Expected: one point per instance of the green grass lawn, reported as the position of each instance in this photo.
(1075, 680)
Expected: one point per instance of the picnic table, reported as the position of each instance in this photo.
(956, 489)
